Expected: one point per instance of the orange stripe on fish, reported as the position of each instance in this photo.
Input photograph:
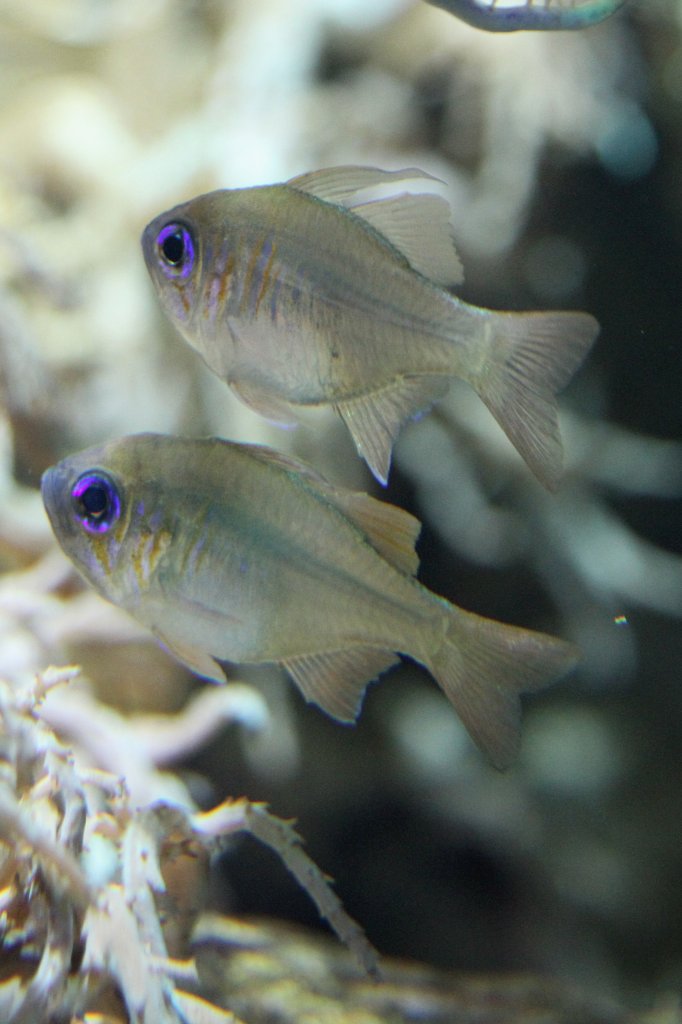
(185, 300)
(101, 552)
(225, 278)
(106, 547)
(265, 279)
(216, 294)
(150, 548)
(252, 283)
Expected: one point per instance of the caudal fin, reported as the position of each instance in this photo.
(483, 666)
(532, 356)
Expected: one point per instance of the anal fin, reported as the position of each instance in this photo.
(336, 681)
(374, 420)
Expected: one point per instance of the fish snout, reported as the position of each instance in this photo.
(147, 244)
(54, 488)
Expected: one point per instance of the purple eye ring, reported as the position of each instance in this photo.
(96, 501)
(175, 246)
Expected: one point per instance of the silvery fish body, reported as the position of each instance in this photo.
(301, 294)
(526, 14)
(235, 552)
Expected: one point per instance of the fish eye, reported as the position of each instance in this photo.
(96, 502)
(176, 249)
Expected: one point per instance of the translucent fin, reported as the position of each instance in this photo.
(482, 668)
(337, 184)
(374, 420)
(419, 226)
(531, 357)
(264, 402)
(392, 531)
(336, 682)
(193, 658)
(287, 463)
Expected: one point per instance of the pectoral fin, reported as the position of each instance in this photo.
(262, 401)
(193, 658)
(336, 682)
(374, 420)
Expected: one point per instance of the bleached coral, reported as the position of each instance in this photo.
(87, 833)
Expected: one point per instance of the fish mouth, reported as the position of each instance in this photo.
(53, 488)
(147, 243)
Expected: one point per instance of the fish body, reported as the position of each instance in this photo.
(300, 294)
(237, 553)
(562, 14)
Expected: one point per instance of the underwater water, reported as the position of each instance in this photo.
(559, 154)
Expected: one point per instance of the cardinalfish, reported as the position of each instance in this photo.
(530, 14)
(301, 294)
(237, 553)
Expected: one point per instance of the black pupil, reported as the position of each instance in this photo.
(95, 501)
(173, 248)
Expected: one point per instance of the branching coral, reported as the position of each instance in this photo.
(82, 861)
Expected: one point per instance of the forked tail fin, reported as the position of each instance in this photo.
(483, 666)
(531, 357)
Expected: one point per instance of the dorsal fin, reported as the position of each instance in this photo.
(418, 225)
(390, 530)
(288, 463)
(338, 184)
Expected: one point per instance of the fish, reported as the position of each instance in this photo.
(302, 294)
(525, 14)
(236, 553)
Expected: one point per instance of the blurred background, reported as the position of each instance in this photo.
(560, 155)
